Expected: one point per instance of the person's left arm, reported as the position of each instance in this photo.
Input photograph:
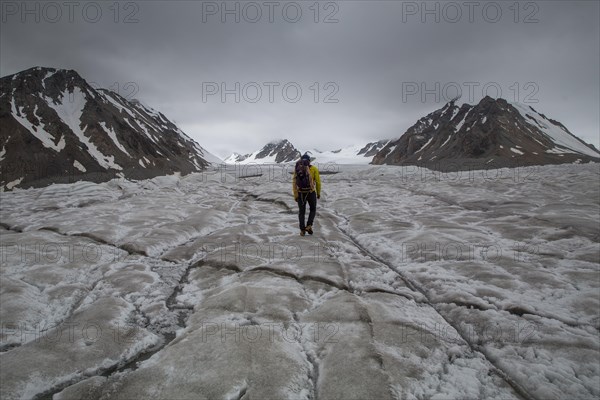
(317, 182)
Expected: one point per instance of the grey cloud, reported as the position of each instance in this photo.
(367, 55)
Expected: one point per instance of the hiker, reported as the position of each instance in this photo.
(306, 186)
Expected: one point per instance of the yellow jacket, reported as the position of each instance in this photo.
(315, 182)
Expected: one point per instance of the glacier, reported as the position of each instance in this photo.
(417, 284)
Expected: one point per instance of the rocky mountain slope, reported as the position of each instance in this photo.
(56, 128)
(492, 133)
(277, 151)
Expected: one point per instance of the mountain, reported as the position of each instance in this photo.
(278, 151)
(371, 149)
(235, 158)
(358, 154)
(493, 132)
(283, 151)
(56, 128)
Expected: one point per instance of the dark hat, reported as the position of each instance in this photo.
(305, 157)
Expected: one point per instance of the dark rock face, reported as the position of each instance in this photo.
(56, 128)
(493, 132)
(371, 149)
(283, 151)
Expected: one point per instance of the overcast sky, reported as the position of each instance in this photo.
(367, 70)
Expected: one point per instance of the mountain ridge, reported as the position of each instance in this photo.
(59, 129)
(493, 132)
(355, 154)
(275, 151)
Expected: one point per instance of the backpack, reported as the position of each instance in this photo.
(303, 180)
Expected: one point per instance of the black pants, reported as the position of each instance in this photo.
(311, 199)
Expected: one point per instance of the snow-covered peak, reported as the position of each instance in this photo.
(235, 158)
(509, 134)
(359, 154)
(279, 142)
(75, 131)
(274, 152)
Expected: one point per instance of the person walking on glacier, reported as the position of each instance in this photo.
(306, 187)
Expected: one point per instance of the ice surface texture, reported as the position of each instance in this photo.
(416, 284)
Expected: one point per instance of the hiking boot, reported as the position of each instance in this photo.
(302, 232)
(309, 230)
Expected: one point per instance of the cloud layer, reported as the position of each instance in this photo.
(324, 75)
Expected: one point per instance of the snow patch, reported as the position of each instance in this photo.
(462, 121)
(555, 150)
(144, 127)
(39, 133)
(425, 145)
(48, 75)
(70, 112)
(79, 166)
(446, 141)
(108, 96)
(113, 137)
(454, 113)
(14, 183)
